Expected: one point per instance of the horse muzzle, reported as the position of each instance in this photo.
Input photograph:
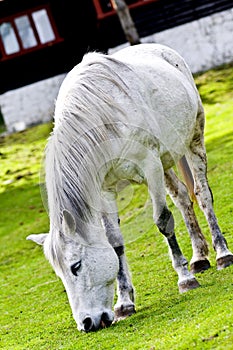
(90, 323)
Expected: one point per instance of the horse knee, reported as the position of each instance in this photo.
(165, 222)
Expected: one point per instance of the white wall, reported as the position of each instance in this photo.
(204, 44)
(31, 104)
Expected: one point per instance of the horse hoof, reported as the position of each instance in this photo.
(123, 311)
(225, 261)
(200, 266)
(187, 285)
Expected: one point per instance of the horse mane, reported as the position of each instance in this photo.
(78, 145)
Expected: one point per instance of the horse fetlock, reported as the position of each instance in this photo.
(188, 284)
(180, 265)
(131, 294)
(124, 310)
(220, 243)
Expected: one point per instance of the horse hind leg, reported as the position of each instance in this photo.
(179, 195)
(165, 223)
(198, 164)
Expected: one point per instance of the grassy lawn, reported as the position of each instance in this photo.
(34, 311)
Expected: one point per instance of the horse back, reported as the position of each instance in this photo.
(149, 52)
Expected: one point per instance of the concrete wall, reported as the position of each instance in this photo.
(204, 44)
(31, 104)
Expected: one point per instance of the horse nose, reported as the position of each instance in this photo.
(88, 324)
(106, 321)
(103, 322)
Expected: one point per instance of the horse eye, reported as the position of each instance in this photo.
(75, 267)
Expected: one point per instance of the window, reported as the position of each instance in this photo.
(9, 39)
(27, 31)
(43, 26)
(104, 8)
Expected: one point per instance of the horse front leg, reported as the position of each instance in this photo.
(125, 292)
(124, 306)
(165, 223)
(198, 164)
(179, 195)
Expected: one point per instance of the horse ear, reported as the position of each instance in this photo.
(38, 238)
(68, 223)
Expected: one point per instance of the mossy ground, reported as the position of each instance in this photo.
(34, 311)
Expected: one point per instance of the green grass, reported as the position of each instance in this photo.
(34, 311)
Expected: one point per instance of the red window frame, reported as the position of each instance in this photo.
(101, 14)
(39, 45)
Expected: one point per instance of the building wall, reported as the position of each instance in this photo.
(204, 44)
(30, 105)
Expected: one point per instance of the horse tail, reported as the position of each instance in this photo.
(185, 171)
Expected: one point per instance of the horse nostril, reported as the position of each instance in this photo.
(88, 324)
(105, 320)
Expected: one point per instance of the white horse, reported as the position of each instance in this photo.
(132, 115)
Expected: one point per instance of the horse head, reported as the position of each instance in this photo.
(88, 272)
